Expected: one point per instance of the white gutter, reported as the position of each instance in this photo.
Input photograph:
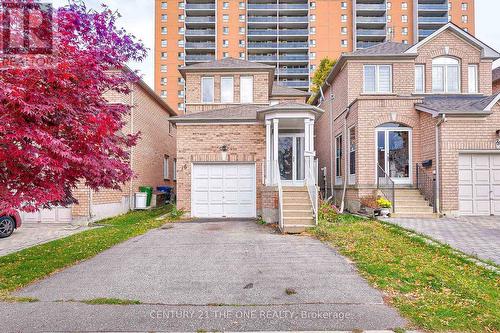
(438, 168)
(131, 194)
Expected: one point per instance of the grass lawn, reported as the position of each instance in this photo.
(433, 287)
(21, 268)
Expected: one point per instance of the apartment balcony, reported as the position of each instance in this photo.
(262, 32)
(293, 6)
(295, 84)
(432, 20)
(263, 58)
(425, 32)
(199, 57)
(364, 45)
(371, 8)
(294, 45)
(367, 20)
(257, 45)
(263, 19)
(297, 57)
(200, 46)
(200, 6)
(294, 32)
(294, 19)
(371, 32)
(262, 6)
(200, 32)
(200, 20)
(293, 71)
(433, 8)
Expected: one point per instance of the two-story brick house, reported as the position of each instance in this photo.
(245, 146)
(403, 121)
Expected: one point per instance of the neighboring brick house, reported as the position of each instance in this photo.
(152, 161)
(406, 115)
(496, 80)
(238, 126)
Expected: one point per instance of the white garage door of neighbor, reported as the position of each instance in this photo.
(223, 190)
(54, 215)
(479, 184)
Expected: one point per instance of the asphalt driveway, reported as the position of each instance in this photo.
(478, 236)
(213, 276)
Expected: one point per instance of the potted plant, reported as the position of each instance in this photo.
(385, 206)
(369, 206)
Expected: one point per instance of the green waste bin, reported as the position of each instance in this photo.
(149, 191)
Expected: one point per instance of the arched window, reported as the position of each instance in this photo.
(445, 75)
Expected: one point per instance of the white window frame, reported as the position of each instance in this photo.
(174, 177)
(212, 84)
(251, 97)
(352, 176)
(445, 63)
(377, 77)
(166, 170)
(229, 98)
(420, 90)
(473, 84)
(338, 159)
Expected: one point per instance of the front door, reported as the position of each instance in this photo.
(291, 158)
(394, 154)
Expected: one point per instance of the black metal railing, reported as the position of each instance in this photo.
(426, 183)
(386, 185)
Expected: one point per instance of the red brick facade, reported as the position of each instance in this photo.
(352, 107)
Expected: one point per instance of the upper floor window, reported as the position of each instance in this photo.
(473, 79)
(343, 5)
(404, 5)
(419, 79)
(465, 6)
(246, 89)
(377, 79)
(207, 89)
(242, 5)
(445, 75)
(164, 5)
(227, 89)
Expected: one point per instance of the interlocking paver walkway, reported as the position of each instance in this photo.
(478, 236)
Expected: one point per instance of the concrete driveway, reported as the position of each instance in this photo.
(211, 276)
(31, 234)
(477, 236)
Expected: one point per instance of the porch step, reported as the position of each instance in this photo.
(300, 205)
(415, 215)
(295, 229)
(296, 195)
(410, 203)
(293, 221)
(294, 189)
(414, 209)
(288, 213)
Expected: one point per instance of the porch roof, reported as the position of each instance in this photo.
(243, 113)
(471, 105)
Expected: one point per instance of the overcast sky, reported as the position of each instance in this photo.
(138, 19)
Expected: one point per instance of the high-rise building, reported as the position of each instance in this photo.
(293, 35)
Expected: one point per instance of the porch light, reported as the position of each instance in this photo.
(223, 152)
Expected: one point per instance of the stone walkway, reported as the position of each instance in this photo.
(31, 234)
(477, 236)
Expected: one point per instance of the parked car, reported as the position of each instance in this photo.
(8, 223)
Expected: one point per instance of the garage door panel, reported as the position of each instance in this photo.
(465, 192)
(481, 161)
(482, 176)
(228, 190)
(482, 192)
(466, 207)
(482, 207)
(465, 176)
(495, 207)
(465, 161)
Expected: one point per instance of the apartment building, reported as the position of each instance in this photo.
(291, 35)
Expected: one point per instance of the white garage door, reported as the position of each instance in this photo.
(479, 184)
(54, 215)
(223, 190)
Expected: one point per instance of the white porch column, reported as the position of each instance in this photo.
(275, 148)
(268, 153)
(307, 146)
(311, 134)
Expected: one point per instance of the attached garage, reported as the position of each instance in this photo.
(54, 215)
(222, 190)
(479, 184)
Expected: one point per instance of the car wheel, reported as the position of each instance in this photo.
(7, 226)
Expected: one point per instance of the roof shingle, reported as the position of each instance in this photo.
(457, 104)
(279, 90)
(496, 74)
(386, 48)
(228, 63)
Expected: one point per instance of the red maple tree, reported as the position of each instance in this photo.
(57, 129)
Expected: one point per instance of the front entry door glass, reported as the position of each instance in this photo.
(394, 154)
(291, 158)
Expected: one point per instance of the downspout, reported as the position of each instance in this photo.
(346, 162)
(330, 125)
(438, 167)
(131, 194)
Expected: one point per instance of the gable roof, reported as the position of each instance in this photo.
(496, 74)
(487, 52)
(279, 90)
(238, 113)
(227, 64)
(458, 104)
